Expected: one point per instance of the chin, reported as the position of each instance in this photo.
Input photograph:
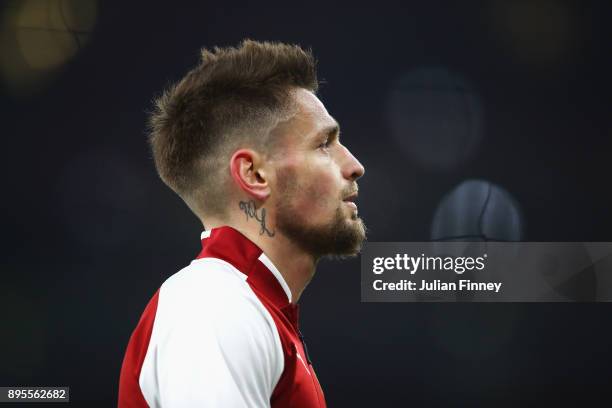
(349, 238)
(342, 236)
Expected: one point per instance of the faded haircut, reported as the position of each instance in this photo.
(234, 98)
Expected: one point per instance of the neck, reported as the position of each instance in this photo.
(296, 266)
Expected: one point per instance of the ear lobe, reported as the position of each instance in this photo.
(245, 168)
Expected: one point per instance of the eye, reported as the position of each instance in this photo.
(325, 144)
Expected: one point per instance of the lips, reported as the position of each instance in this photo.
(351, 204)
(350, 201)
(351, 197)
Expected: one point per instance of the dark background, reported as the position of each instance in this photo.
(90, 232)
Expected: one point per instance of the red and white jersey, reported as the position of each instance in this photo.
(221, 332)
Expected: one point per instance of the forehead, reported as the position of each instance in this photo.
(311, 117)
(309, 105)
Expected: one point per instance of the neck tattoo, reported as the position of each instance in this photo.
(248, 207)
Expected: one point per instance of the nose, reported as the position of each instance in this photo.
(352, 169)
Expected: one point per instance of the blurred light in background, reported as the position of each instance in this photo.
(538, 32)
(477, 210)
(37, 37)
(435, 117)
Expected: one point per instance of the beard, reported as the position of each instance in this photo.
(341, 237)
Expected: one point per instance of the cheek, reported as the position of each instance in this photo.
(311, 189)
(321, 190)
(320, 193)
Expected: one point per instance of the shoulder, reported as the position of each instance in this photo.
(207, 275)
(206, 271)
(210, 290)
(213, 335)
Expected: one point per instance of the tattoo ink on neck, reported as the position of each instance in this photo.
(248, 207)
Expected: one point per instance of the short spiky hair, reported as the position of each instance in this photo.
(233, 98)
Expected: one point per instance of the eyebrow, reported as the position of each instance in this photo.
(332, 131)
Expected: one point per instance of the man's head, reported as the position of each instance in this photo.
(245, 125)
(316, 182)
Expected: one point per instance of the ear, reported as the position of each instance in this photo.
(248, 174)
